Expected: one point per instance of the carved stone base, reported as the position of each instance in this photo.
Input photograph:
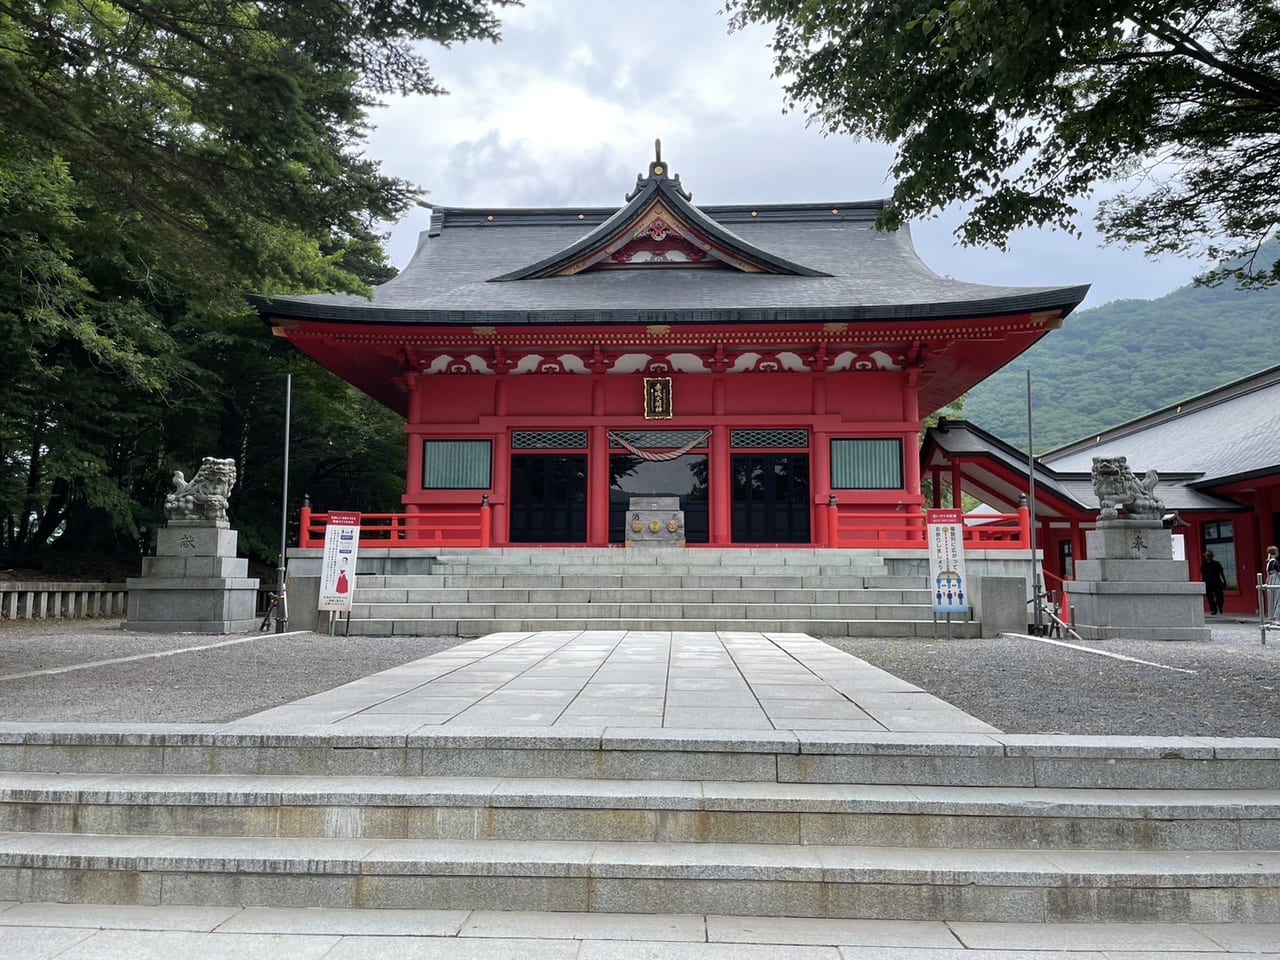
(1132, 588)
(194, 584)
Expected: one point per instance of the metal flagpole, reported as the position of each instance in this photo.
(1031, 475)
(282, 608)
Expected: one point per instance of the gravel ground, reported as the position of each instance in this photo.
(223, 682)
(1028, 686)
(1017, 685)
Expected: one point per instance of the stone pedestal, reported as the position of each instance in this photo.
(1132, 588)
(194, 584)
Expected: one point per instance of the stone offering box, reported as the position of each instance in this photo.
(655, 522)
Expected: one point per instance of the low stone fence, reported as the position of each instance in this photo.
(38, 601)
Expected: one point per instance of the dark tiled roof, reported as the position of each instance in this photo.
(1233, 431)
(873, 275)
(960, 438)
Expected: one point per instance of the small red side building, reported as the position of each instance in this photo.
(1217, 456)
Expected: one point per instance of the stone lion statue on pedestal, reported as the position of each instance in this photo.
(205, 496)
(1119, 491)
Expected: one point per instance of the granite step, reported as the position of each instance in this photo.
(467, 627)
(657, 580)
(714, 878)
(556, 609)
(471, 808)
(467, 593)
(778, 759)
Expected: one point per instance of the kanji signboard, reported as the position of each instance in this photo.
(338, 567)
(946, 561)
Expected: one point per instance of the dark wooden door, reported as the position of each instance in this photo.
(771, 498)
(548, 498)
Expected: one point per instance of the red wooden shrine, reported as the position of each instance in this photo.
(770, 365)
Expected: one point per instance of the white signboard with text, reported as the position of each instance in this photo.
(946, 561)
(338, 568)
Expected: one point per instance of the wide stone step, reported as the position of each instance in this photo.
(674, 610)
(471, 808)
(579, 594)
(650, 581)
(464, 627)
(778, 757)
(714, 878)
(668, 565)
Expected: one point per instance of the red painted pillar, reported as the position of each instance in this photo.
(304, 525)
(598, 486)
(911, 441)
(911, 452)
(957, 498)
(498, 530)
(721, 492)
(820, 478)
(413, 427)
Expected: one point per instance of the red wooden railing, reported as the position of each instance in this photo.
(460, 526)
(848, 527)
(852, 527)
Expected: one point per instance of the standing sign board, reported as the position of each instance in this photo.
(338, 568)
(946, 561)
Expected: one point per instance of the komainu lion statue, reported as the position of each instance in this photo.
(1119, 491)
(205, 496)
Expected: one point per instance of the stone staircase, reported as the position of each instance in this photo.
(824, 593)
(955, 827)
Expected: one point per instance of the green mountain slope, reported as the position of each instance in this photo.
(1128, 358)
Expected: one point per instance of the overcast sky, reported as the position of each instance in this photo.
(564, 111)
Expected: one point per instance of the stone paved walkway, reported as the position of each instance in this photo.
(43, 931)
(594, 679)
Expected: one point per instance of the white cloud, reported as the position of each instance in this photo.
(565, 110)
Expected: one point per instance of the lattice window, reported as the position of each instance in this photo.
(866, 464)
(456, 464)
(769, 438)
(549, 440)
(657, 439)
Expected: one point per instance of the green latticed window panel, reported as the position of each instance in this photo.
(866, 464)
(790, 439)
(549, 440)
(457, 464)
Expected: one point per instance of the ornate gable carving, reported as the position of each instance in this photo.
(659, 228)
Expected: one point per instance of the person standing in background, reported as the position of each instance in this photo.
(1215, 581)
(1271, 598)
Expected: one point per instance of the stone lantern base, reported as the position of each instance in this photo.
(194, 584)
(1132, 588)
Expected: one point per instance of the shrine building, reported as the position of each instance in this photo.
(770, 365)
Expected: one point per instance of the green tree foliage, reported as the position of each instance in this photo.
(158, 161)
(1129, 358)
(1019, 109)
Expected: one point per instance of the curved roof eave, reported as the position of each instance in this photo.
(301, 308)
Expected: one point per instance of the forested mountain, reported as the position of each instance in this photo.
(1128, 358)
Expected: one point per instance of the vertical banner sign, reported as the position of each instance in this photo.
(338, 568)
(946, 561)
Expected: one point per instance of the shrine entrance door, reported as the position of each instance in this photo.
(771, 498)
(548, 498)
